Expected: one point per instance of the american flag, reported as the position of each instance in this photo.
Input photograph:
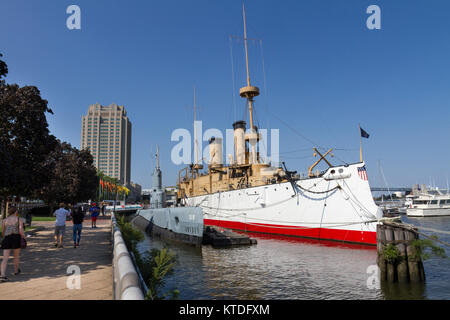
(362, 173)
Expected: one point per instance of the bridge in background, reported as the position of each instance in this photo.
(391, 189)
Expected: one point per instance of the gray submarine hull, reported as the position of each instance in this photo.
(180, 224)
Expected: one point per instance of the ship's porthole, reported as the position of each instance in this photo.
(333, 171)
(341, 170)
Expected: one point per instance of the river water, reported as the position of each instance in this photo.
(291, 268)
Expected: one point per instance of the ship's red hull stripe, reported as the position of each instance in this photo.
(363, 237)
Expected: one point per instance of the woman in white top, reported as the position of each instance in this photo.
(12, 229)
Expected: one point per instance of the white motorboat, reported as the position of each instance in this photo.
(429, 205)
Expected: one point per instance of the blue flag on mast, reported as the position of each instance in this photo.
(363, 133)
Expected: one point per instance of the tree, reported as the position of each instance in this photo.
(24, 139)
(3, 68)
(33, 162)
(5, 156)
(88, 176)
(72, 176)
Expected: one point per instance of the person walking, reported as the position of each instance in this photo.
(60, 225)
(77, 219)
(95, 211)
(12, 232)
(103, 209)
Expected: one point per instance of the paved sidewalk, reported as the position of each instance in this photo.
(44, 268)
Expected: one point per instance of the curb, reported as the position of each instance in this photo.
(125, 277)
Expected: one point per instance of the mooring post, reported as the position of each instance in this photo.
(413, 258)
(381, 239)
(405, 265)
(391, 274)
(402, 267)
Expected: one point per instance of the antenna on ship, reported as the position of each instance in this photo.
(195, 130)
(157, 157)
(197, 166)
(157, 194)
(447, 184)
(157, 180)
(249, 92)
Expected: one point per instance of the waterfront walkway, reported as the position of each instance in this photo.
(45, 268)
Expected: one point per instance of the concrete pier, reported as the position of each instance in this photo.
(48, 272)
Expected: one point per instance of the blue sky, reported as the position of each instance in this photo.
(324, 72)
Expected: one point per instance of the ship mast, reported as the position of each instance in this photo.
(249, 92)
(195, 131)
(157, 195)
(246, 51)
(157, 180)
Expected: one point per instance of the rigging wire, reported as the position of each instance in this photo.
(384, 178)
(297, 150)
(260, 42)
(303, 136)
(304, 157)
(263, 141)
(414, 229)
(232, 77)
(264, 79)
(355, 199)
(343, 149)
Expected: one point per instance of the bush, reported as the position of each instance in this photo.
(391, 254)
(425, 248)
(130, 235)
(154, 266)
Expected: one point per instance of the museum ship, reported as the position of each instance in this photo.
(253, 196)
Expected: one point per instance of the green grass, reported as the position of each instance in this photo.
(44, 218)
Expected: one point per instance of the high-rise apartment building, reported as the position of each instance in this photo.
(106, 132)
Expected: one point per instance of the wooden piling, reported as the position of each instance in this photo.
(402, 267)
(381, 239)
(408, 266)
(413, 258)
(391, 268)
